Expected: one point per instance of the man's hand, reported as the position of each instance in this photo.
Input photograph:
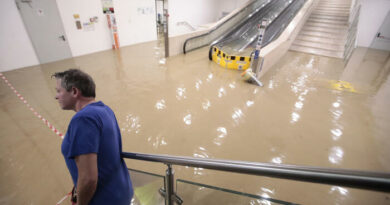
(87, 177)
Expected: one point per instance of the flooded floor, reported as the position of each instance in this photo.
(312, 111)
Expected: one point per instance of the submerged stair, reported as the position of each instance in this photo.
(325, 32)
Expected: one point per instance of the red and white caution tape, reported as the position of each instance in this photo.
(63, 198)
(31, 108)
(40, 117)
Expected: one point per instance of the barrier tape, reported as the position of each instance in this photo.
(63, 198)
(47, 123)
(40, 117)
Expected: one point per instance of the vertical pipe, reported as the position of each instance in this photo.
(166, 37)
(169, 183)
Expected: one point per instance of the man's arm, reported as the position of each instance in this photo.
(87, 177)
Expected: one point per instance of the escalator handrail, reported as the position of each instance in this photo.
(275, 36)
(219, 25)
(232, 31)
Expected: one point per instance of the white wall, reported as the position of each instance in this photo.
(15, 46)
(228, 6)
(195, 12)
(136, 21)
(83, 42)
(372, 15)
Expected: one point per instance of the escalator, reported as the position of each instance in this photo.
(233, 42)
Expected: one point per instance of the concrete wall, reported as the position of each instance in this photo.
(196, 13)
(15, 45)
(83, 41)
(135, 19)
(372, 15)
(227, 6)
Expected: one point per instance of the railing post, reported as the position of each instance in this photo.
(169, 186)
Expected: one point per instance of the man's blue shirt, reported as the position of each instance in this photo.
(94, 129)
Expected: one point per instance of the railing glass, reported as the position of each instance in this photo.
(199, 194)
(146, 188)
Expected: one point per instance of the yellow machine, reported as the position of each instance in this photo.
(228, 61)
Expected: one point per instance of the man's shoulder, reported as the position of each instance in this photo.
(91, 113)
(85, 114)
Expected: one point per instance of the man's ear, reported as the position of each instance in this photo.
(75, 91)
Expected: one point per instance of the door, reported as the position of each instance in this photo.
(44, 26)
(382, 38)
(159, 17)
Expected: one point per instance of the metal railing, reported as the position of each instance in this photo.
(375, 181)
(188, 25)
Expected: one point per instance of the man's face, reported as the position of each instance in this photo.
(65, 99)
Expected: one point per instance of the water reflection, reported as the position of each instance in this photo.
(187, 119)
(336, 110)
(237, 115)
(296, 87)
(271, 84)
(206, 104)
(160, 105)
(198, 171)
(337, 114)
(209, 77)
(162, 61)
(299, 105)
(294, 117)
(339, 194)
(222, 132)
(197, 84)
(132, 124)
(157, 141)
(249, 103)
(339, 190)
(264, 193)
(221, 92)
(232, 85)
(180, 93)
(310, 63)
(278, 160)
(336, 155)
(336, 134)
(201, 152)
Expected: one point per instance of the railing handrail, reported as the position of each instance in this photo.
(376, 181)
(185, 23)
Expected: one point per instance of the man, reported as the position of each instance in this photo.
(92, 145)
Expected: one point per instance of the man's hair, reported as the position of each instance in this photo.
(78, 79)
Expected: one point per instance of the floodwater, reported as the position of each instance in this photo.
(187, 105)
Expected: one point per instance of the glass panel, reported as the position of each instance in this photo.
(195, 193)
(146, 188)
